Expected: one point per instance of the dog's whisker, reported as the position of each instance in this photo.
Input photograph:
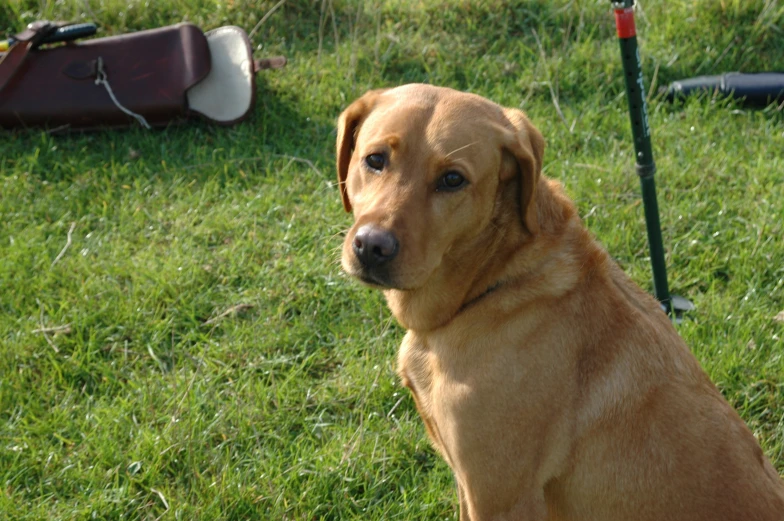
(455, 151)
(340, 233)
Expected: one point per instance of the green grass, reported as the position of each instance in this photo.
(290, 408)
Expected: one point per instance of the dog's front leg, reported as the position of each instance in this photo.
(528, 507)
(465, 515)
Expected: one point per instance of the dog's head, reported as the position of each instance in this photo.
(422, 168)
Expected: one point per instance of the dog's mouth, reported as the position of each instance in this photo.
(387, 276)
(374, 279)
(383, 279)
(379, 277)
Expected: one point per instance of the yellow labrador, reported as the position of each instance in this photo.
(554, 387)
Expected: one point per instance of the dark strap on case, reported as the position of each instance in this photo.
(26, 41)
(276, 62)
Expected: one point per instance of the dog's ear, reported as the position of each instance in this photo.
(526, 144)
(348, 126)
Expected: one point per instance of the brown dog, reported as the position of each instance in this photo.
(553, 386)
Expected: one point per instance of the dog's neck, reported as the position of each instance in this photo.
(479, 297)
(516, 258)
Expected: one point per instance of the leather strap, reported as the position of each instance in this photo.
(26, 41)
(276, 62)
(33, 30)
(12, 61)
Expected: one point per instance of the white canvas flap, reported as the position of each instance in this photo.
(226, 94)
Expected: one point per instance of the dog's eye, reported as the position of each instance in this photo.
(375, 161)
(451, 181)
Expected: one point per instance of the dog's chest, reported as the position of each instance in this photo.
(438, 384)
(417, 367)
(421, 372)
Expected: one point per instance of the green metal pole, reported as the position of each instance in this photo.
(646, 168)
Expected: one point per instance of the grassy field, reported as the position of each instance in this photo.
(156, 403)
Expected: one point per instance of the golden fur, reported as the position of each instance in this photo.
(554, 387)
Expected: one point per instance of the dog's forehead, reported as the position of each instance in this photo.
(440, 117)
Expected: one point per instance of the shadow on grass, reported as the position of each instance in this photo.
(275, 131)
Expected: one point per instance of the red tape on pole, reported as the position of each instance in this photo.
(624, 22)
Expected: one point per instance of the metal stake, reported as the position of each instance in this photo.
(646, 168)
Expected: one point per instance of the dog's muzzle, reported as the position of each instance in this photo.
(374, 247)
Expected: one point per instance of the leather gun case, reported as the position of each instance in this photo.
(153, 77)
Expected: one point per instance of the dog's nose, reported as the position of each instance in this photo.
(374, 246)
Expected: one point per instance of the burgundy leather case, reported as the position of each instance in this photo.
(149, 73)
